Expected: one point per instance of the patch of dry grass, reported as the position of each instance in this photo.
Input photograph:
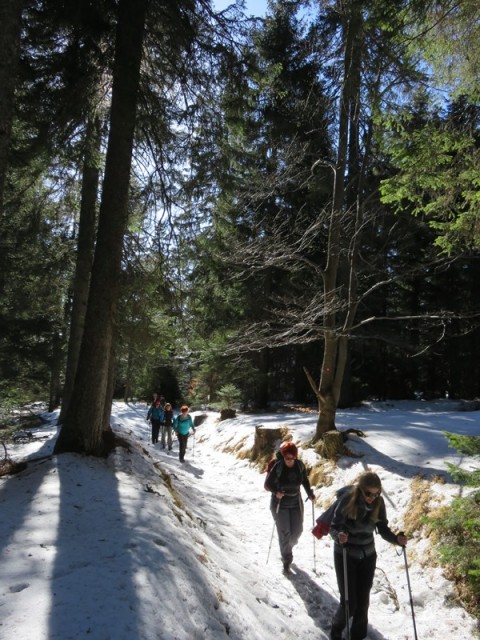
(167, 479)
(419, 506)
(238, 448)
(321, 474)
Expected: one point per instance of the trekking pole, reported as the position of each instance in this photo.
(410, 592)
(193, 452)
(273, 531)
(314, 548)
(345, 588)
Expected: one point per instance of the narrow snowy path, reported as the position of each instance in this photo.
(140, 546)
(227, 495)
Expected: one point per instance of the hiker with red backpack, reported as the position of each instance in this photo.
(284, 479)
(359, 512)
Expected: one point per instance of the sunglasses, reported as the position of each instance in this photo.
(289, 458)
(371, 494)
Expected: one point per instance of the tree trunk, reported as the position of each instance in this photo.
(127, 392)
(10, 39)
(86, 243)
(335, 340)
(107, 433)
(55, 369)
(85, 420)
(326, 417)
(10, 32)
(262, 387)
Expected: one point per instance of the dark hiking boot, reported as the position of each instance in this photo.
(286, 567)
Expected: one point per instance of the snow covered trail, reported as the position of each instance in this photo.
(226, 496)
(142, 547)
(229, 496)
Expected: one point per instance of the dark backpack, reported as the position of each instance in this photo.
(279, 468)
(324, 520)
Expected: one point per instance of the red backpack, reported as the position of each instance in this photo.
(324, 520)
(269, 468)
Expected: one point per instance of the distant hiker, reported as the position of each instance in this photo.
(155, 415)
(182, 425)
(286, 505)
(167, 426)
(359, 511)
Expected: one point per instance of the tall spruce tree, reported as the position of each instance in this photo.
(364, 60)
(86, 422)
(10, 32)
(264, 146)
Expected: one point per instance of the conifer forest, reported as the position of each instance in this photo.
(197, 202)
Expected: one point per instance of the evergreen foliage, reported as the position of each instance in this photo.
(458, 528)
(298, 202)
(437, 158)
(229, 396)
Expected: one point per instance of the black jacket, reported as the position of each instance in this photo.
(288, 481)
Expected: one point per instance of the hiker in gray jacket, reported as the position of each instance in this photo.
(359, 512)
(284, 481)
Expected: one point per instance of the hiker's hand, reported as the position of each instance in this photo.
(279, 495)
(312, 497)
(343, 537)
(402, 540)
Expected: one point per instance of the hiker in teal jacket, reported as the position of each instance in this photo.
(182, 425)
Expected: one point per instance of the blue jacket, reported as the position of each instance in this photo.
(182, 425)
(155, 413)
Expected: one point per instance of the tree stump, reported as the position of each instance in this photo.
(226, 414)
(265, 440)
(332, 445)
(199, 419)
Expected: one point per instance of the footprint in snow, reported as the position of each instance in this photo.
(16, 588)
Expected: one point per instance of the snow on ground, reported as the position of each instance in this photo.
(139, 546)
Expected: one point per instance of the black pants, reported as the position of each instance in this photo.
(182, 445)
(155, 430)
(360, 573)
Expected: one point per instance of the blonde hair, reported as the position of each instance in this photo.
(368, 480)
